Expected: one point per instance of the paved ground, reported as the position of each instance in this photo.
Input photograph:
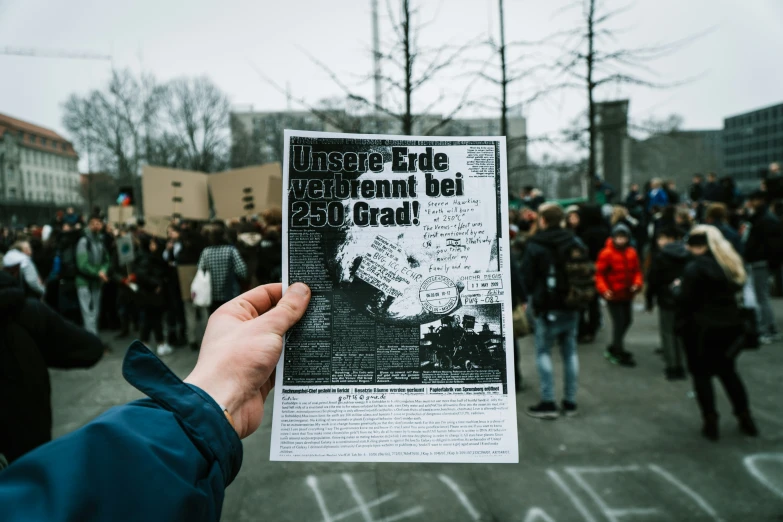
(633, 453)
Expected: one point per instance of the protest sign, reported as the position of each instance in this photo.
(124, 250)
(174, 193)
(157, 226)
(119, 215)
(246, 191)
(406, 352)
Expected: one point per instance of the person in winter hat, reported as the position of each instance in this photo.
(618, 278)
(18, 262)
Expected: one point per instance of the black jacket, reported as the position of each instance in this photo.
(32, 338)
(713, 192)
(765, 238)
(150, 270)
(270, 259)
(696, 192)
(708, 317)
(66, 250)
(540, 254)
(667, 265)
(593, 230)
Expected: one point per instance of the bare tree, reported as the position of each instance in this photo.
(510, 70)
(409, 67)
(135, 120)
(198, 123)
(593, 60)
(112, 123)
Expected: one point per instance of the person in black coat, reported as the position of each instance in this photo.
(667, 265)
(33, 337)
(709, 322)
(67, 298)
(270, 257)
(150, 276)
(713, 193)
(593, 231)
(763, 252)
(696, 191)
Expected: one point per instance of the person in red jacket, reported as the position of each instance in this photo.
(618, 278)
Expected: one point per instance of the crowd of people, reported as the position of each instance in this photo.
(73, 265)
(709, 259)
(63, 282)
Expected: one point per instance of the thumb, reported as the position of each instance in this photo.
(287, 312)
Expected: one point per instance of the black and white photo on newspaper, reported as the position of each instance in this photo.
(406, 350)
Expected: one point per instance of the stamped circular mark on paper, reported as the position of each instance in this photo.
(438, 294)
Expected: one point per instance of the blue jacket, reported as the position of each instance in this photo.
(657, 198)
(166, 458)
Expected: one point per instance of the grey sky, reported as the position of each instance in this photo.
(740, 59)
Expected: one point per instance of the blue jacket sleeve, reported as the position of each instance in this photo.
(166, 458)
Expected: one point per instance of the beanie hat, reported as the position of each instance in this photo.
(621, 230)
(697, 240)
(571, 209)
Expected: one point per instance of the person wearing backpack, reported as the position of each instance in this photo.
(668, 266)
(555, 299)
(618, 278)
(92, 261)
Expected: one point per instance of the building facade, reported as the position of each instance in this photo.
(751, 141)
(677, 156)
(37, 166)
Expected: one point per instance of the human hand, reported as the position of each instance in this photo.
(241, 347)
(635, 289)
(608, 294)
(103, 277)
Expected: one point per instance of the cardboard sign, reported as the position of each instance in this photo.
(246, 191)
(124, 250)
(157, 226)
(186, 273)
(174, 193)
(121, 215)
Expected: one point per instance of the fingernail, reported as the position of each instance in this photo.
(299, 289)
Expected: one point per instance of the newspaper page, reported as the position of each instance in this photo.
(405, 353)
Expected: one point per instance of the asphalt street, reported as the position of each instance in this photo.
(633, 453)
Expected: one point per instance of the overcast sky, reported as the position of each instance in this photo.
(738, 63)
